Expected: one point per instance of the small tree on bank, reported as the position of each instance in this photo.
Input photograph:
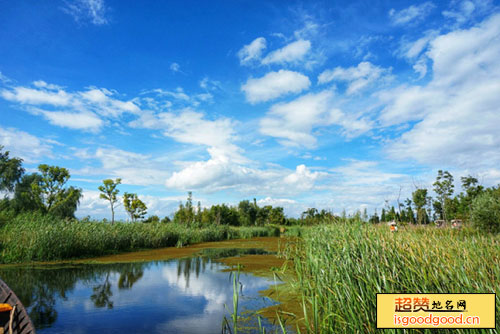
(135, 208)
(109, 193)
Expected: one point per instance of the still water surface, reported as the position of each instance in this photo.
(175, 296)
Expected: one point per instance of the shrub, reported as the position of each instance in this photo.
(485, 213)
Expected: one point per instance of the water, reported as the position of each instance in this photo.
(175, 296)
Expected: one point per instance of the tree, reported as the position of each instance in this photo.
(374, 219)
(443, 187)
(10, 171)
(50, 195)
(247, 212)
(134, 206)
(383, 217)
(472, 190)
(109, 192)
(276, 216)
(365, 215)
(485, 212)
(420, 200)
(408, 212)
(186, 213)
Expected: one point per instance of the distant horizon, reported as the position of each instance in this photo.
(298, 104)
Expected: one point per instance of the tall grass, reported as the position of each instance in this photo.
(33, 237)
(341, 268)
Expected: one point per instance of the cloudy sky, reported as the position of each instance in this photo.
(317, 103)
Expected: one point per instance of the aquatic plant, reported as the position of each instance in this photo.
(340, 269)
(37, 237)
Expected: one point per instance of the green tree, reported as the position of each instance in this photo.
(24, 197)
(247, 212)
(443, 187)
(374, 219)
(109, 192)
(11, 170)
(185, 213)
(472, 189)
(485, 212)
(420, 200)
(276, 216)
(51, 195)
(135, 208)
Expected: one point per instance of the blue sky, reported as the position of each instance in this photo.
(336, 105)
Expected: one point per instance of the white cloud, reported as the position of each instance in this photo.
(274, 84)
(358, 77)
(82, 110)
(421, 67)
(174, 67)
(217, 173)
(4, 79)
(293, 122)
(74, 120)
(457, 113)
(411, 14)
(276, 201)
(252, 51)
(133, 168)
(360, 184)
(24, 145)
(413, 49)
(87, 10)
(414, 52)
(463, 11)
(178, 94)
(302, 179)
(33, 96)
(291, 53)
(191, 127)
(210, 85)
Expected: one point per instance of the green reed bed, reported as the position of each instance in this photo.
(34, 237)
(340, 268)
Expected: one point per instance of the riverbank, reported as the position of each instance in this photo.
(37, 238)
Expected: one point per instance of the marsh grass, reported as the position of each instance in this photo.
(34, 237)
(340, 269)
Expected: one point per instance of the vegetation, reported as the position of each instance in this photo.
(135, 208)
(109, 192)
(10, 170)
(485, 211)
(339, 269)
(37, 237)
(340, 263)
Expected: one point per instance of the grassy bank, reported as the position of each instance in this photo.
(341, 268)
(34, 237)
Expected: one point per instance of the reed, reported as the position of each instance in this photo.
(35, 237)
(340, 268)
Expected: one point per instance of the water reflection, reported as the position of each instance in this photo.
(179, 296)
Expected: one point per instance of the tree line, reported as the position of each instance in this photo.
(474, 203)
(46, 191)
(43, 191)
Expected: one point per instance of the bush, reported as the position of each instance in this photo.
(485, 213)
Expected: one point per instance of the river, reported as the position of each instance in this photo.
(180, 295)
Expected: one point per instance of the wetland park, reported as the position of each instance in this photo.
(250, 166)
(239, 268)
